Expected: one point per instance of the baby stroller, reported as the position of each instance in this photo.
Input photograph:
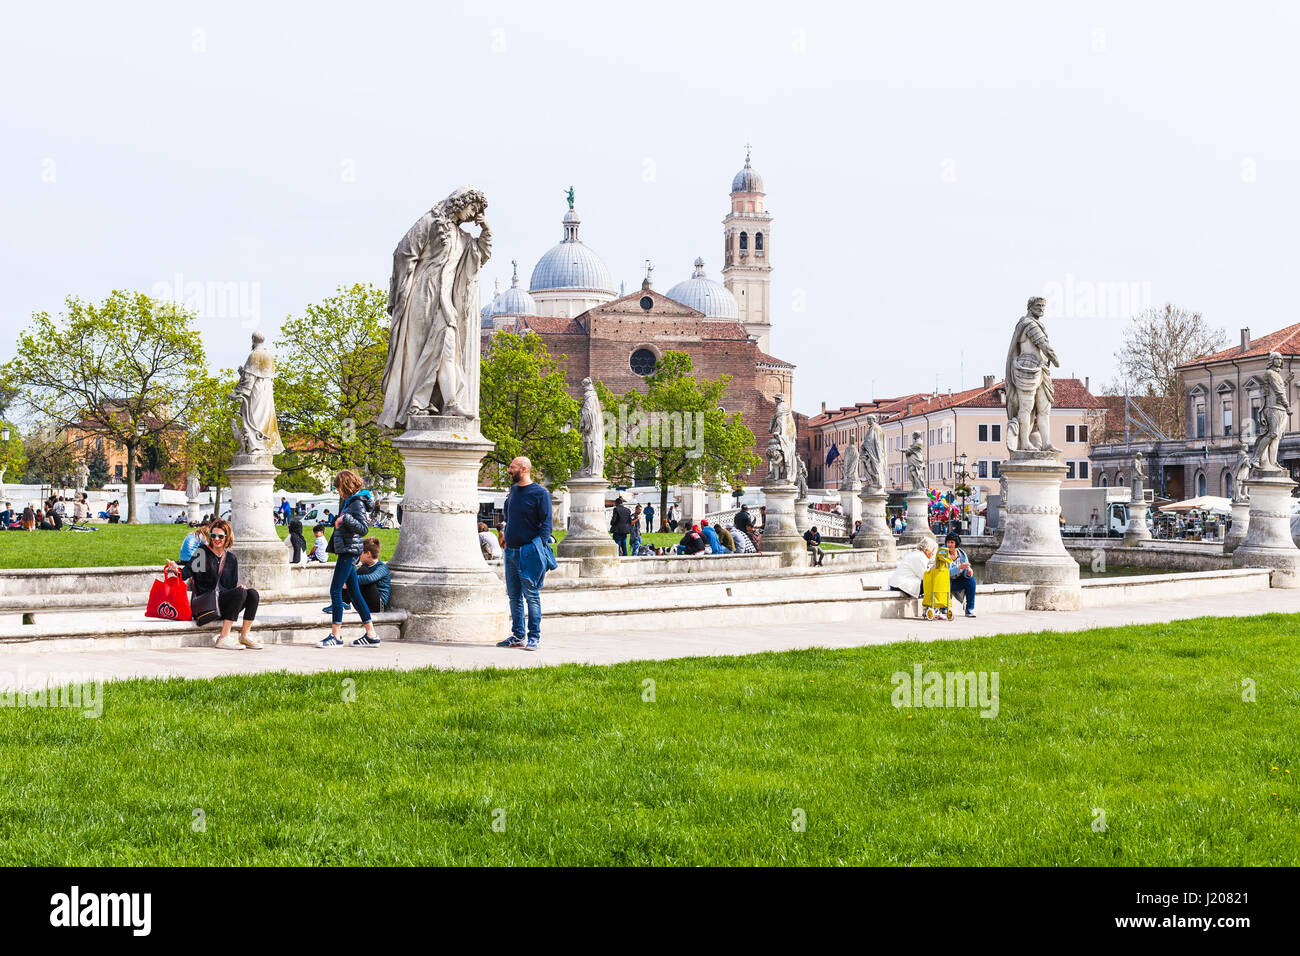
(937, 587)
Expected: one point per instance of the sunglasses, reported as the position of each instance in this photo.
(218, 537)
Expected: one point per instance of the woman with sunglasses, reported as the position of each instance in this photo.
(214, 567)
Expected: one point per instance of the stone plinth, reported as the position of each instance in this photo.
(439, 575)
(589, 538)
(850, 505)
(194, 510)
(781, 534)
(918, 520)
(1240, 523)
(263, 558)
(1032, 551)
(1268, 542)
(560, 509)
(1136, 531)
(692, 510)
(802, 515)
(875, 532)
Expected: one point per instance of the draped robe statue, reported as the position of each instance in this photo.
(1029, 382)
(873, 454)
(1139, 477)
(592, 426)
(781, 446)
(1241, 472)
(256, 429)
(916, 464)
(801, 477)
(849, 466)
(433, 344)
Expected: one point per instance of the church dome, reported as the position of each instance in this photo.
(704, 295)
(747, 180)
(514, 301)
(570, 265)
(485, 313)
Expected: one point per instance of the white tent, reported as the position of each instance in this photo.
(1212, 503)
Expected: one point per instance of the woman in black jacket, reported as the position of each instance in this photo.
(296, 540)
(214, 567)
(350, 528)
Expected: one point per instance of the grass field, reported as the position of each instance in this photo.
(575, 766)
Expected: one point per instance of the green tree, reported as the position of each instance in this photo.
(49, 456)
(677, 431)
(13, 459)
(525, 410)
(125, 370)
(97, 462)
(329, 388)
(210, 443)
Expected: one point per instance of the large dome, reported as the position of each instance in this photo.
(747, 180)
(514, 301)
(704, 295)
(570, 265)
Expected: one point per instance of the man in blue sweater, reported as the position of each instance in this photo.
(528, 521)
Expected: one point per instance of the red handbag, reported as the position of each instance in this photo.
(168, 598)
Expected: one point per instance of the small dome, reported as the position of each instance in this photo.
(704, 295)
(514, 301)
(747, 180)
(485, 313)
(570, 265)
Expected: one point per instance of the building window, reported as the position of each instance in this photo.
(1083, 469)
(947, 434)
(1200, 483)
(643, 362)
(1198, 417)
(1069, 436)
(1083, 434)
(117, 472)
(996, 469)
(1227, 414)
(997, 432)
(758, 242)
(1069, 467)
(744, 241)
(983, 435)
(1105, 482)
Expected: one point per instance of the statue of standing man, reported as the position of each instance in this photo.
(1274, 415)
(1029, 383)
(433, 345)
(592, 426)
(873, 454)
(916, 464)
(256, 429)
(781, 447)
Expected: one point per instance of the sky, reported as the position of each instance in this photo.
(928, 167)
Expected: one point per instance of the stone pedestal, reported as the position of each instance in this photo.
(850, 504)
(692, 509)
(194, 510)
(1032, 551)
(918, 520)
(802, 515)
(1240, 524)
(439, 576)
(781, 534)
(1136, 531)
(589, 538)
(875, 532)
(263, 557)
(560, 509)
(1268, 542)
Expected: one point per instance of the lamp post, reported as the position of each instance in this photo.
(960, 470)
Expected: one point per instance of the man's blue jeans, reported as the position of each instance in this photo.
(522, 594)
(622, 544)
(963, 585)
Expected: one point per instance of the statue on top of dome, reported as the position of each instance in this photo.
(569, 194)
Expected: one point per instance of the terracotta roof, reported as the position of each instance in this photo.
(1286, 341)
(1069, 393)
(553, 324)
(765, 359)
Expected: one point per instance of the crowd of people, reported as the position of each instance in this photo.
(56, 514)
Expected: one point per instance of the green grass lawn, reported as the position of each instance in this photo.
(1147, 724)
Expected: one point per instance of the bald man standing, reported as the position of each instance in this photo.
(528, 553)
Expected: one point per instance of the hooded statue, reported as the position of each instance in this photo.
(433, 344)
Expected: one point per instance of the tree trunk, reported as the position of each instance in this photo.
(131, 516)
(663, 506)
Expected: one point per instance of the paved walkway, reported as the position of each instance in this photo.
(35, 668)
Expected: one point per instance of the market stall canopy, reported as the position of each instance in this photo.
(1212, 503)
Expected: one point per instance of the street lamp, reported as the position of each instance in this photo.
(4, 433)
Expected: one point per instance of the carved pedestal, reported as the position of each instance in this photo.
(1032, 551)
(781, 534)
(1136, 531)
(560, 509)
(1268, 542)
(850, 504)
(1240, 524)
(589, 538)
(263, 558)
(875, 532)
(918, 520)
(802, 514)
(439, 575)
(194, 510)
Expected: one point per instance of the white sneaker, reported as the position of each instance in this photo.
(227, 643)
(251, 642)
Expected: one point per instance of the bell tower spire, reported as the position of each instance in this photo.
(747, 253)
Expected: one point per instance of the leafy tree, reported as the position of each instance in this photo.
(677, 429)
(1156, 342)
(125, 370)
(210, 443)
(51, 460)
(329, 388)
(525, 410)
(97, 463)
(13, 459)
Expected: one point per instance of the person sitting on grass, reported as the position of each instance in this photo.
(214, 567)
(960, 572)
(812, 537)
(318, 548)
(711, 538)
(692, 542)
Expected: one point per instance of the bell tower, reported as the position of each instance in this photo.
(747, 253)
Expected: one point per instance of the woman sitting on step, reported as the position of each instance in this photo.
(910, 573)
(215, 571)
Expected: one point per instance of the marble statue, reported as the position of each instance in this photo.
(916, 464)
(82, 477)
(433, 345)
(1241, 472)
(1273, 417)
(592, 427)
(873, 454)
(1139, 477)
(256, 429)
(781, 447)
(849, 466)
(1029, 383)
(801, 478)
(192, 486)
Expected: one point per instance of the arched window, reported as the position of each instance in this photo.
(1105, 482)
(744, 241)
(758, 242)
(1200, 483)
(1227, 482)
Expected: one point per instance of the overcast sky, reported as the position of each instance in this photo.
(928, 166)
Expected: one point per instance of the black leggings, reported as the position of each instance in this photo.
(231, 602)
